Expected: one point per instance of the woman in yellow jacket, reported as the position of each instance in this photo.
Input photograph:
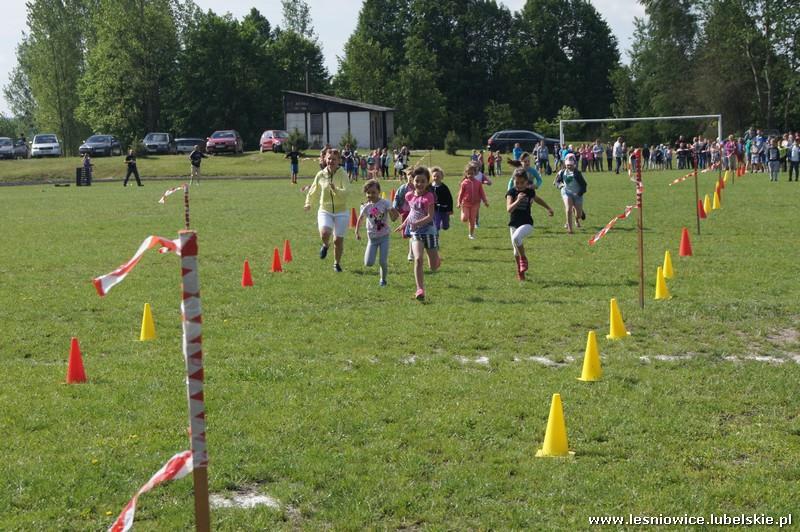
(332, 218)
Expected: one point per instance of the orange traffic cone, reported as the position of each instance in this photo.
(276, 262)
(701, 210)
(75, 373)
(353, 217)
(287, 251)
(721, 182)
(393, 194)
(686, 246)
(247, 279)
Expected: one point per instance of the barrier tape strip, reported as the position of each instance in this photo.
(609, 225)
(106, 282)
(177, 467)
(170, 192)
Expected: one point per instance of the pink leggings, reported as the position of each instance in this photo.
(469, 214)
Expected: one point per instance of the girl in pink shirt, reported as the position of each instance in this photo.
(469, 200)
(424, 235)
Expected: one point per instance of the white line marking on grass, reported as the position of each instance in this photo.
(479, 360)
(410, 360)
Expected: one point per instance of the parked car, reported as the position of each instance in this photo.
(13, 149)
(225, 141)
(101, 145)
(160, 143)
(273, 140)
(45, 145)
(504, 140)
(187, 144)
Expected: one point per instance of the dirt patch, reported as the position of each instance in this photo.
(784, 337)
(550, 363)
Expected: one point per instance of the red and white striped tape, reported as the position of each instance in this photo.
(712, 167)
(170, 192)
(106, 282)
(192, 316)
(681, 179)
(177, 467)
(611, 224)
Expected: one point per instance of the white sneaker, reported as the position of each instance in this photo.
(471, 237)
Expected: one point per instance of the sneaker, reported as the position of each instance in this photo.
(420, 295)
(471, 237)
(336, 267)
(583, 215)
(323, 252)
(410, 257)
(382, 283)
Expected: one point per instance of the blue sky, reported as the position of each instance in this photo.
(333, 23)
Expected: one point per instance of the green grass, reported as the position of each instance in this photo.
(247, 164)
(311, 397)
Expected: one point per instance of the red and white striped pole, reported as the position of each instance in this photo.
(191, 315)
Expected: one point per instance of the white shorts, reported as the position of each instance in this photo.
(337, 221)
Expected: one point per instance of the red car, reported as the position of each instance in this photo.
(225, 141)
(273, 140)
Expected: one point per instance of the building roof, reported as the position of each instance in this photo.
(343, 101)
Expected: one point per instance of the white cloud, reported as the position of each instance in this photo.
(333, 23)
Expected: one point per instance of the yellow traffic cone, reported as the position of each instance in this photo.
(148, 326)
(662, 292)
(555, 437)
(707, 204)
(383, 195)
(669, 273)
(591, 360)
(716, 204)
(725, 177)
(616, 326)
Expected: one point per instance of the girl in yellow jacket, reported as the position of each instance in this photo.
(330, 186)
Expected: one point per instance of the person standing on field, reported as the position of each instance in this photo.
(196, 158)
(130, 160)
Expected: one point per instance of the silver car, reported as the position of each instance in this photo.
(160, 143)
(13, 149)
(45, 145)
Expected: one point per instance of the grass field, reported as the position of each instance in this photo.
(249, 164)
(359, 408)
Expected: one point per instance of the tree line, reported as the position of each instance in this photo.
(468, 67)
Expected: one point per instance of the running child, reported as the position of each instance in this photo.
(424, 237)
(573, 186)
(362, 163)
(524, 162)
(444, 200)
(376, 211)
(520, 223)
(470, 195)
(401, 206)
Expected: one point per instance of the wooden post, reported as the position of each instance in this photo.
(191, 316)
(637, 160)
(696, 196)
(186, 205)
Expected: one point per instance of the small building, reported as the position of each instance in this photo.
(325, 119)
